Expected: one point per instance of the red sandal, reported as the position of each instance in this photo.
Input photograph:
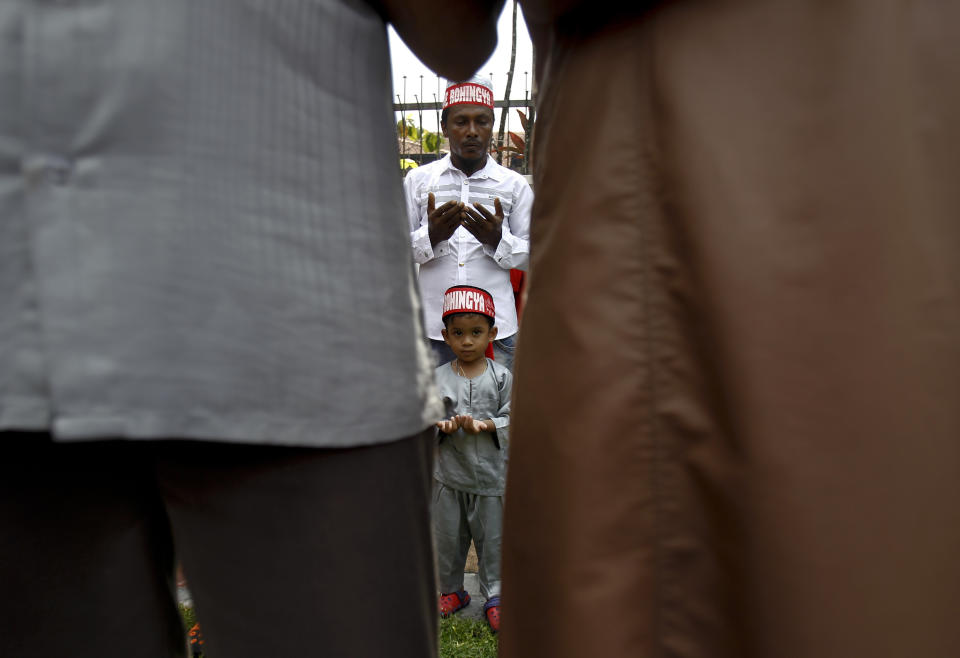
(491, 610)
(450, 603)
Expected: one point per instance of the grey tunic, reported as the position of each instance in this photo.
(475, 463)
(202, 233)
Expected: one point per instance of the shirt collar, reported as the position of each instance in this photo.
(490, 170)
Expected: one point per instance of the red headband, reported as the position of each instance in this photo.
(468, 299)
(468, 93)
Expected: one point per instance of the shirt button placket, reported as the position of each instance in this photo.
(465, 198)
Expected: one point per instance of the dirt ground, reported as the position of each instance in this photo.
(471, 560)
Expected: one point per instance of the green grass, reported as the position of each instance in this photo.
(459, 637)
(466, 638)
(189, 616)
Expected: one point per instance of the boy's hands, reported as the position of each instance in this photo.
(471, 425)
(448, 426)
(467, 423)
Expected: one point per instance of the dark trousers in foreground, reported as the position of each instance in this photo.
(287, 551)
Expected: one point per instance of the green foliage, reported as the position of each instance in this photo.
(407, 128)
(466, 638)
(431, 141)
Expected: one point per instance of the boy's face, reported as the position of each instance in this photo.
(468, 336)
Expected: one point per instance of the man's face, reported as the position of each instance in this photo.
(469, 129)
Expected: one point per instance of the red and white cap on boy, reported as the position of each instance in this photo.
(469, 299)
(478, 90)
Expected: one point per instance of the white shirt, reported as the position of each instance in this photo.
(463, 260)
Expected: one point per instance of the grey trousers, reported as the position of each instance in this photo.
(457, 517)
(287, 551)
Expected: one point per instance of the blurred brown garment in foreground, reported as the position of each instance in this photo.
(745, 297)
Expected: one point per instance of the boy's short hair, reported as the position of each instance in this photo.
(451, 316)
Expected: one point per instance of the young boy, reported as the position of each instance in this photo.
(472, 455)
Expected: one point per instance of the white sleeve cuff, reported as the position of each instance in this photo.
(502, 253)
(422, 249)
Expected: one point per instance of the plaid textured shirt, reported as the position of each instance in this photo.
(201, 225)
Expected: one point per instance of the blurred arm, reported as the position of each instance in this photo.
(452, 38)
